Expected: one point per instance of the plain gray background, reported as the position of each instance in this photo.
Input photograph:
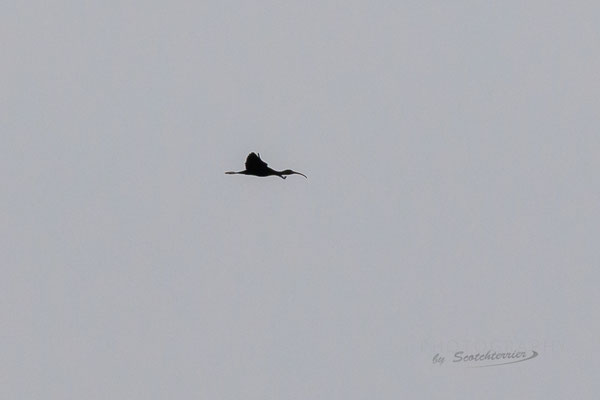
(452, 200)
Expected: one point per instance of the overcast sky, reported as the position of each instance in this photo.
(452, 200)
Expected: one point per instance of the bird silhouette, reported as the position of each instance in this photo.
(257, 167)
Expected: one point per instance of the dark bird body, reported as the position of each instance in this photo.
(257, 167)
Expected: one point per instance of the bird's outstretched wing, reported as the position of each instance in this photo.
(253, 162)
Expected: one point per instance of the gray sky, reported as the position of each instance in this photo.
(452, 200)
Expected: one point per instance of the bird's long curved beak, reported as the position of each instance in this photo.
(301, 174)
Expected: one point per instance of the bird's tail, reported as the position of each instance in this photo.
(231, 172)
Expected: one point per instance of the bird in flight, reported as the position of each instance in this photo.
(257, 167)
